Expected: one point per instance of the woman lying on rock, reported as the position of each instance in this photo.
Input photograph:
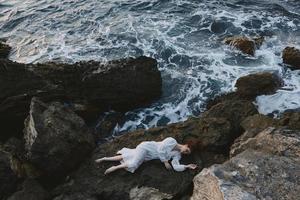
(164, 150)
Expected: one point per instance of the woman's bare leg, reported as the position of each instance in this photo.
(114, 158)
(114, 168)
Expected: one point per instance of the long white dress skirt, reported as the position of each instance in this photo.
(133, 158)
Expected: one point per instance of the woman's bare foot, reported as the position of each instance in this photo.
(109, 170)
(100, 160)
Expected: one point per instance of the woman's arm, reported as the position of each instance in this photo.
(179, 167)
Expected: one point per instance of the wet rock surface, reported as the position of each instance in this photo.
(244, 44)
(291, 56)
(257, 84)
(265, 167)
(249, 87)
(56, 139)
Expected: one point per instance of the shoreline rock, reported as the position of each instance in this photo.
(291, 57)
(56, 139)
(244, 44)
(266, 167)
(88, 87)
(215, 129)
(249, 87)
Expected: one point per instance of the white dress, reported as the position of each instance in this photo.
(150, 150)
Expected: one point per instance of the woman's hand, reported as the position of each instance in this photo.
(167, 165)
(191, 166)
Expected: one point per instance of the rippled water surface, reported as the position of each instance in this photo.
(183, 35)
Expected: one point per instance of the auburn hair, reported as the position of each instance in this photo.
(194, 145)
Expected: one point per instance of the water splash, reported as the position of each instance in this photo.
(183, 35)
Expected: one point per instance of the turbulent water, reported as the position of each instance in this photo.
(183, 35)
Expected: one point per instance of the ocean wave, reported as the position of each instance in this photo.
(183, 35)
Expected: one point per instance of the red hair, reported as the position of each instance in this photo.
(194, 145)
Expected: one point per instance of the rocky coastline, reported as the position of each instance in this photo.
(47, 151)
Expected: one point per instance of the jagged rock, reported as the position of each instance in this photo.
(249, 87)
(56, 139)
(235, 111)
(106, 124)
(244, 44)
(255, 124)
(88, 87)
(88, 181)
(257, 84)
(148, 193)
(264, 167)
(8, 179)
(31, 190)
(291, 56)
(291, 120)
(4, 50)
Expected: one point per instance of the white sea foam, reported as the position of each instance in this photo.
(194, 64)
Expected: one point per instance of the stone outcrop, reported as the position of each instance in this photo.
(89, 180)
(148, 193)
(257, 84)
(56, 139)
(244, 44)
(291, 56)
(235, 111)
(214, 129)
(89, 87)
(249, 87)
(264, 167)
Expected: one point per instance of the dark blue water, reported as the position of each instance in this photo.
(183, 35)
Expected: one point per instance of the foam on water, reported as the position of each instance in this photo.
(183, 35)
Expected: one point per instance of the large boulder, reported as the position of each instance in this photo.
(56, 139)
(4, 50)
(89, 87)
(291, 56)
(244, 44)
(235, 111)
(257, 84)
(249, 87)
(264, 167)
(89, 181)
(290, 119)
(8, 178)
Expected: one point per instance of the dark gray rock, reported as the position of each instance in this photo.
(57, 140)
(89, 182)
(235, 111)
(88, 87)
